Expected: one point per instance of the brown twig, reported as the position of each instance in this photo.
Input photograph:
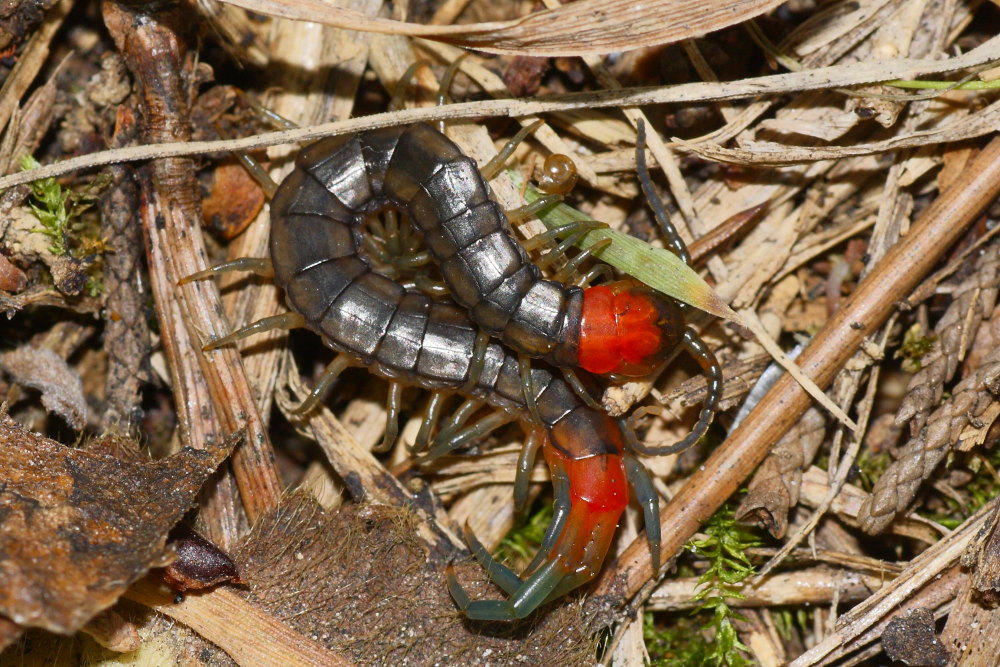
(155, 54)
(868, 308)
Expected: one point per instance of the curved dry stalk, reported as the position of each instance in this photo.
(839, 76)
(906, 263)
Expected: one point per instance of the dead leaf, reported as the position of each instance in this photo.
(80, 527)
(581, 28)
(44, 370)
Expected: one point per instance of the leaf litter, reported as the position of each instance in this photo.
(840, 167)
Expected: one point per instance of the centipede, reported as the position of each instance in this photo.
(318, 258)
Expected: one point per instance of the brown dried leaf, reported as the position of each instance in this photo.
(774, 489)
(581, 28)
(80, 527)
(234, 202)
(44, 370)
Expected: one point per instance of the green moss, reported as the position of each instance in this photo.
(915, 345)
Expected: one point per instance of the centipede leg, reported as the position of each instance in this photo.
(257, 172)
(573, 230)
(493, 167)
(468, 407)
(478, 361)
(525, 464)
(393, 401)
(431, 415)
(528, 211)
(560, 513)
(533, 591)
(566, 272)
(451, 442)
(649, 500)
(332, 372)
(449, 76)
(573, 380)
(560, 250)
(498, 573)
(289, 320)
(710, 367)
(524, 370)
(399, 90)
(429, 287)
(260, 266)
(600, 270)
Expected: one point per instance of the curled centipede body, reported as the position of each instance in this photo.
(317, 258)
(622, 328)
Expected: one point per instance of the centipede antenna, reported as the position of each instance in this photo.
(478, 361)
(674, 241)
(649, 501)
(403, 84)
(333, 370)
(260, 266)
(289, 320)
(446, 80)
(431, 415)
(573, 380)
(572, 265)
(524, 370)
(446, 443)
(393, 401)
(528, 211)
(525, 464)
(712, 371)
(493, 167)
(498, 573)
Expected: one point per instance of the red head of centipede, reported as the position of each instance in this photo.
(627, 329)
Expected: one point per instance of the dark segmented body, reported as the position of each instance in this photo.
(316, 253)
(421, 171)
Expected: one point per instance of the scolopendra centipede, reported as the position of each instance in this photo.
(621, 328)
(407, 337)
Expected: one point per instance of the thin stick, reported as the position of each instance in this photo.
(841, 75)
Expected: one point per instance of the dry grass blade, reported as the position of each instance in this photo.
(249, 635)
(868, 308)
(581, 28)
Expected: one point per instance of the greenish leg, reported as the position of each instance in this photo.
(290, 320)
